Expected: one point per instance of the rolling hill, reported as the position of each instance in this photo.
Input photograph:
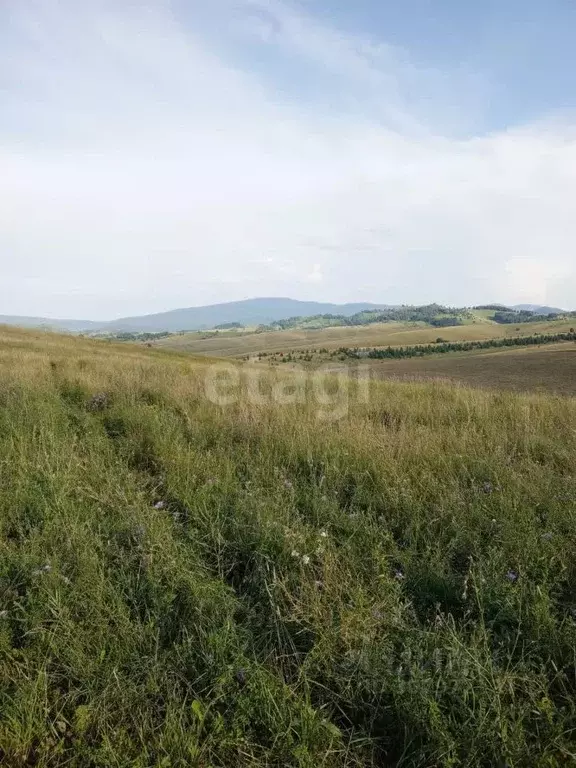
(284, 572)
(539, 309)
(247, 312)
(73, 326)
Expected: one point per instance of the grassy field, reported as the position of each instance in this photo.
(384, 334)
(185, 582)
(533, 369)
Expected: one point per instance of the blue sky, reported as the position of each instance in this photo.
(166, 153)
(518, 57)
(522, 50)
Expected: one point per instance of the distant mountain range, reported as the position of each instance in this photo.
(248, 312)
(539, 310)
(261, 311)
(74, 326)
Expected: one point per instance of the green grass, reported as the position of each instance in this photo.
(483, 315)
(183, 583)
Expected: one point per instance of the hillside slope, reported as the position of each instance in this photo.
(233, 344)
(539, 309)
(247, 312)
(48, 323)
(250, 312)
(361, 578)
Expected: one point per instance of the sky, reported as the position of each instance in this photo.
(157, 154)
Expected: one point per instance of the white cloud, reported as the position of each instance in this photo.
(316, 275)
(141, 170)
(365, 76)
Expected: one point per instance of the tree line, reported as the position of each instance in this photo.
(444, 347)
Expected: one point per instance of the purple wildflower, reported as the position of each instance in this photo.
(512, 576)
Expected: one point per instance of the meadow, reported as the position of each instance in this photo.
(537, 368)
(261, 578)
(241, 344)
(543, 369)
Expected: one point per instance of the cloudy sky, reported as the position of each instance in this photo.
(168, 153)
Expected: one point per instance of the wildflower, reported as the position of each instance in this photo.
(494, 521)
(399, 575)
(160, 505)
(295, 553)
(305, 559)
(323, 535)
(512, 576)
(42, 570)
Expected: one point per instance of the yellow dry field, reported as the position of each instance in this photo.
(377, 335)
